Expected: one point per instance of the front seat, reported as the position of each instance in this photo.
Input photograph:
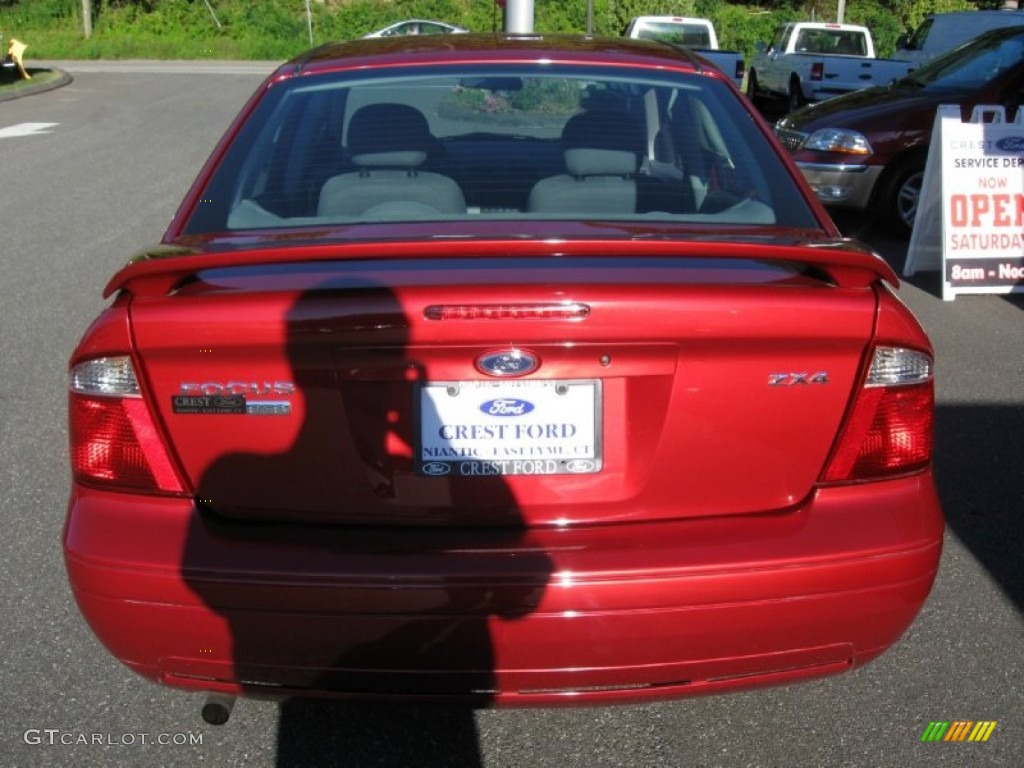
(601, 152)
(388, 143)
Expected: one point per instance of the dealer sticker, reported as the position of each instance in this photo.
(229, 404)
(218, 404)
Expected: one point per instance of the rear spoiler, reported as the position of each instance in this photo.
(160, 270)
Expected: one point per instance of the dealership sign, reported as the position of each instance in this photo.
(970, 221)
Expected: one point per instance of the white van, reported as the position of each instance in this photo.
(942, 32)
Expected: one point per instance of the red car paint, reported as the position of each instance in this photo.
(253, 510)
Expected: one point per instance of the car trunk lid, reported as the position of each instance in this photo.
(396, 391)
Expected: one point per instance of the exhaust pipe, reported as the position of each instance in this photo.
(217, 708)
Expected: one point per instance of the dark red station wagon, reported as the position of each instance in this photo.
(500, 370)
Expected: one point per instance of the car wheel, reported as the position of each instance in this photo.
(901, 193)
(796, 97)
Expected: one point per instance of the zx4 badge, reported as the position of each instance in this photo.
(796, 379)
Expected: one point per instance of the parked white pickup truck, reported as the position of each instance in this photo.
(696, 34)
(811, 61)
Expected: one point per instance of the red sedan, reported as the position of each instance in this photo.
(495, 370)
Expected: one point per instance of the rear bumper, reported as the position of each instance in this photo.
(609, 613)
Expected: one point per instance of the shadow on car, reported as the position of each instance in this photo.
(363, 611)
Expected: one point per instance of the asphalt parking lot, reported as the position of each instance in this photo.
(93, 169)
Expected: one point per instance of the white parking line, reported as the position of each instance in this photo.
(26, 129)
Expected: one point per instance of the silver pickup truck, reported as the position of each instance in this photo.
(811, 61)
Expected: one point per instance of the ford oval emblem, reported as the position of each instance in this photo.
(509, 362)
(580, 465)
(506, 406)
(436, 468)
(1011, 144)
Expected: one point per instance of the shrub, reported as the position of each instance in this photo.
(279, 29)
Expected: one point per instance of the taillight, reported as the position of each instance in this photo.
(889, 429)
(114, 439)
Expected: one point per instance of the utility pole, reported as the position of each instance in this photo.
(519, 17)
(87, 18)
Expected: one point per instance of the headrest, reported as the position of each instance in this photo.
(601, 143)
(385, 135)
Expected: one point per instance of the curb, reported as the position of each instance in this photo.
(62, 79)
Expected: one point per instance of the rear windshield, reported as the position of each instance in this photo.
(675, 32)
(832, 41)
(974, 64)
(521, 144)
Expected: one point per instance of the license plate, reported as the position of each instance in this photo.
(489, 428)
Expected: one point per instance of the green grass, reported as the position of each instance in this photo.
(147, 44)
(241, 29)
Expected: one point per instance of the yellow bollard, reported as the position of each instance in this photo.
(16, 49)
